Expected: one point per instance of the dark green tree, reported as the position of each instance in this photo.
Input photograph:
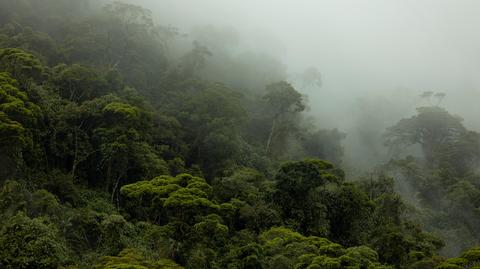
(30, 243)
(301, 187)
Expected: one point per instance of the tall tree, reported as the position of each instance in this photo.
(18, 120)
(431, 128)
(282, 100)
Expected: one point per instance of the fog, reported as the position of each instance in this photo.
(373, 55)
(360, 47)
(375, 58)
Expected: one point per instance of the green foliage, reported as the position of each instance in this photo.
(212, 116)
(301, 187)
(62, 186)
(442, 136)
(13, 198)
(313, 252)
(121, 112)
(468, 259)
(430, 127)
(324, 144)
(283, 98)
(283, 103)
(43, 203)
(133, 259)
(78, 83)
(182, 197)
(22, 65)
(28, 243)
(125, 147)
(249, 193)
(350, 215)
(444, 176)
(18, 118)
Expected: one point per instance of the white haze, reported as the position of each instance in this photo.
(383, 52)
(361, 47)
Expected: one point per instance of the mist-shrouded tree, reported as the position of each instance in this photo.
(443, 178)
(324, 144)
(309, 78)
(431, 128)
(194, 60)
(123, 37)
(211, 116)
(444, 140)
(282, 102)
(437, 95)
(79, 83)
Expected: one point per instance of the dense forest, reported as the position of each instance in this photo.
(128, 144)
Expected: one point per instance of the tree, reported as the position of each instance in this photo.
(311, 77)
(22, 66)
(211, 116)
(194, 60)
(324, 144)
(78, 83)
(251, 194)
(285, 248)
(349, 213)
(13, 199)
(123, 37)
(301, 187)
(134, 259)
(468, 259)
(30, 243)
(246, 256)
(463, 155)
(18, 118)
(444, 141)
(122, 144)
(282, 100)
(431, 128)
(97, 134)
(167, 198)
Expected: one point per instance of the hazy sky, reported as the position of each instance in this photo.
(359, 46)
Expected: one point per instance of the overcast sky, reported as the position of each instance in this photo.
(359, 46)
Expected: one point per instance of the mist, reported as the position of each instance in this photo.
(375, 58)
(385, 53)
(361, 47)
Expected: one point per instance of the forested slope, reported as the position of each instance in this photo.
(124, 144)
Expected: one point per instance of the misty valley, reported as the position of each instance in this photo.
(150, 134)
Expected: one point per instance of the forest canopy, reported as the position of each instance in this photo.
(125, 143)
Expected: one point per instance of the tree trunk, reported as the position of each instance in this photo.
(75, 156)
(270, 136)
(115, 188)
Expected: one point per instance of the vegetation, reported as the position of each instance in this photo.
(115, 153)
